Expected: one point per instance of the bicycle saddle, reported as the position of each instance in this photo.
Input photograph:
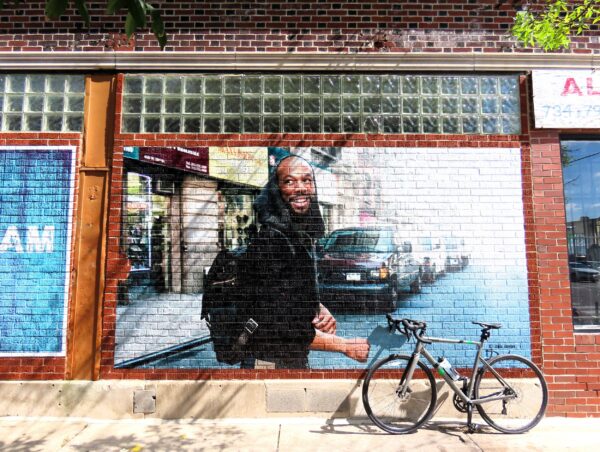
(490, 326)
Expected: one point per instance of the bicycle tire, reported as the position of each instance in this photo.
(381, 400)
(525, 378)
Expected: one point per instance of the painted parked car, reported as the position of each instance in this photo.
(360, 263)
(457, 256)
(583, 271)
(431, 255)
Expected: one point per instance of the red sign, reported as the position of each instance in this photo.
(192, 160)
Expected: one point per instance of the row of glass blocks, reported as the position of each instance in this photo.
(316, 105)
(322, 124)
(321, 104)
(319, 84)
(41, 102)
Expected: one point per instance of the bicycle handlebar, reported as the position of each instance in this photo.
(416, 327)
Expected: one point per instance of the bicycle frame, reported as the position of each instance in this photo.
(497, 380)
(466, 398)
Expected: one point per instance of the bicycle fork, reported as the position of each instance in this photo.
(403, 388)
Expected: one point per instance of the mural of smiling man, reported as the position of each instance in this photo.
(432, 234)
(281, 270)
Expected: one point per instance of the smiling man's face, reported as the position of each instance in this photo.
(296, 184)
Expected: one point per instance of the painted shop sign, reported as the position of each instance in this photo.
(247, 165)
(566, 99)
(242, 165)
(191, 160)
(36, 201)
(28, 241)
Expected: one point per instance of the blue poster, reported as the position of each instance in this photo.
(36, 200)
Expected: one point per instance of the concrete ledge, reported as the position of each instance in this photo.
(136, 399)
(285, 61)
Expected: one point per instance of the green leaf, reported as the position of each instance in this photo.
(158, 27)
(115, 5)
(552, 26)
(130, 25)
(55, 8)
(137, 9)
(83, 11)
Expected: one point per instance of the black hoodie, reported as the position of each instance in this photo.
(281, 276)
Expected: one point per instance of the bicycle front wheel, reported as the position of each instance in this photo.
(521, 394)
(395, 403)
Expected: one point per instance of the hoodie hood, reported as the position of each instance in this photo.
(273, 211)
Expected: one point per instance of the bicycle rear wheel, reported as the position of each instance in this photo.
(525, 386)
(394, 404)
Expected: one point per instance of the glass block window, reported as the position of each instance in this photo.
(326, 103)
(41, 102)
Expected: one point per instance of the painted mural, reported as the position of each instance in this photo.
(36, 200)
(291, 257)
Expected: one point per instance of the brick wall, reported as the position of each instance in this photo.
(570, 360)
(344, 26)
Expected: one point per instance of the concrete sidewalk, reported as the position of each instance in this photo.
(32, 434)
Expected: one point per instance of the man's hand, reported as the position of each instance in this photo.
(324, 321)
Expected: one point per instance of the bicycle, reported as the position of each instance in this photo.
(509, 391)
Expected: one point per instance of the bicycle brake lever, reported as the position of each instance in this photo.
(405, 332)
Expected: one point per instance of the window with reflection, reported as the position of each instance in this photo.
(581, 179)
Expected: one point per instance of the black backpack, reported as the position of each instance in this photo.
(226, 306)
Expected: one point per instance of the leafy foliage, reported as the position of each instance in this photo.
(550, 26)
(137, 11)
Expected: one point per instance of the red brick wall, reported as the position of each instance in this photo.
(345, 26)
(39, 368)
(571, 361)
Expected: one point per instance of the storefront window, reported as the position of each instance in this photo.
(239, 224)
(581, 171)
(138, 221)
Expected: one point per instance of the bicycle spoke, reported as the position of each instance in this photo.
(521, 404)
(398, 408)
